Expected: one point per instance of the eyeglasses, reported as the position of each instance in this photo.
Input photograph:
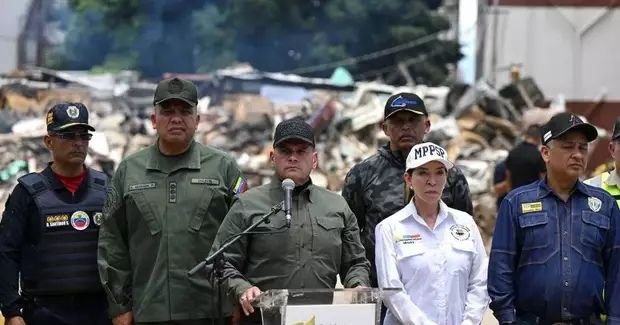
(73, 136)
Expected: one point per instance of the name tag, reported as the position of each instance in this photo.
(206, 181)
(142, 186)
(531, 207)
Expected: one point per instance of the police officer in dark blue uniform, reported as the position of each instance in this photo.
(555, 256)
(48, 232)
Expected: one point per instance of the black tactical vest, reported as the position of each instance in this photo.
(64, 260)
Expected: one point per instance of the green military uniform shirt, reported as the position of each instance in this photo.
(323, 241)
(160, 219)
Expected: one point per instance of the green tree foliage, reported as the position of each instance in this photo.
(272, 35)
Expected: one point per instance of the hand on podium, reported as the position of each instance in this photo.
(247, 298)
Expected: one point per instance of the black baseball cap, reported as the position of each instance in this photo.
(561, 123)
(616, 133)
(404, 102)
(176, 88)
(65, 115)
(295, 128)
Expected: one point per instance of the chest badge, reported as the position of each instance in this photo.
(594, 203)
(460, 232)
(97, 218)
(80, 220)
(531, 207)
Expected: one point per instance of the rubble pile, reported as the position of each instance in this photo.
(239, 113)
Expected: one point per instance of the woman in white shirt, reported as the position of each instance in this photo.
(433, 252)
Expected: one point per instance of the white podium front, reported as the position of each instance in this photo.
(360, 306)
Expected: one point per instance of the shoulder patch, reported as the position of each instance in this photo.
(241, 185)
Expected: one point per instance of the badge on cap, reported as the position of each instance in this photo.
(400, 101)
(50, 118)
(594, 203)
(175, 86)
(73, 111)
(80, 220)
(460, 232)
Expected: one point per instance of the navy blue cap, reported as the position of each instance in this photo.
(65, 115)
(404, 102)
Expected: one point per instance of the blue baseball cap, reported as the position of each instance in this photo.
(65, 115)
(404, 102)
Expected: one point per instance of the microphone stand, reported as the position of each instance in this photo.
(219, 260)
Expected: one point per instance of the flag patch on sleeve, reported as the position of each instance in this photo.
(241, 185)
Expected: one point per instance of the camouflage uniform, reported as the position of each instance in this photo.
(375, 189)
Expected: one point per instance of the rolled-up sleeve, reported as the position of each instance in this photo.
(113, 259)
(388, 276)
(502, 264)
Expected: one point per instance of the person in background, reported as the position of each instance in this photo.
(610, 181)
(524, 164)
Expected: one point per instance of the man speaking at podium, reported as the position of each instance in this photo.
(321, 241)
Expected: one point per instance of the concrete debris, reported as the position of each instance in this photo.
(240, 108)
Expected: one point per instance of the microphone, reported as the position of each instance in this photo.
(288, 185)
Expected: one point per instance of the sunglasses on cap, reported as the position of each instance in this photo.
(73, 136)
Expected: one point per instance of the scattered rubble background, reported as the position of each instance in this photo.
(476, 123)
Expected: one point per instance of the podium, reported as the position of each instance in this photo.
(359, 306)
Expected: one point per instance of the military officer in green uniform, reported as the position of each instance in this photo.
(163, 208)
(323, 239)
(610, 181)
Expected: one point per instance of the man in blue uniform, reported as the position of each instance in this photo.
(555, 256)
(48, 233)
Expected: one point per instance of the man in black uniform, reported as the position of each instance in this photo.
(48, 232)
(524, 163)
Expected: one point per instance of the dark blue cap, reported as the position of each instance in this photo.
(65, 115)
(404, 102)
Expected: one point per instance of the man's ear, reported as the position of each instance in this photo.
(315, 160)
(544, 153)
(154, 119)
(48, 141)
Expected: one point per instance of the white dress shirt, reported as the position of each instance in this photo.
(442, 271)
